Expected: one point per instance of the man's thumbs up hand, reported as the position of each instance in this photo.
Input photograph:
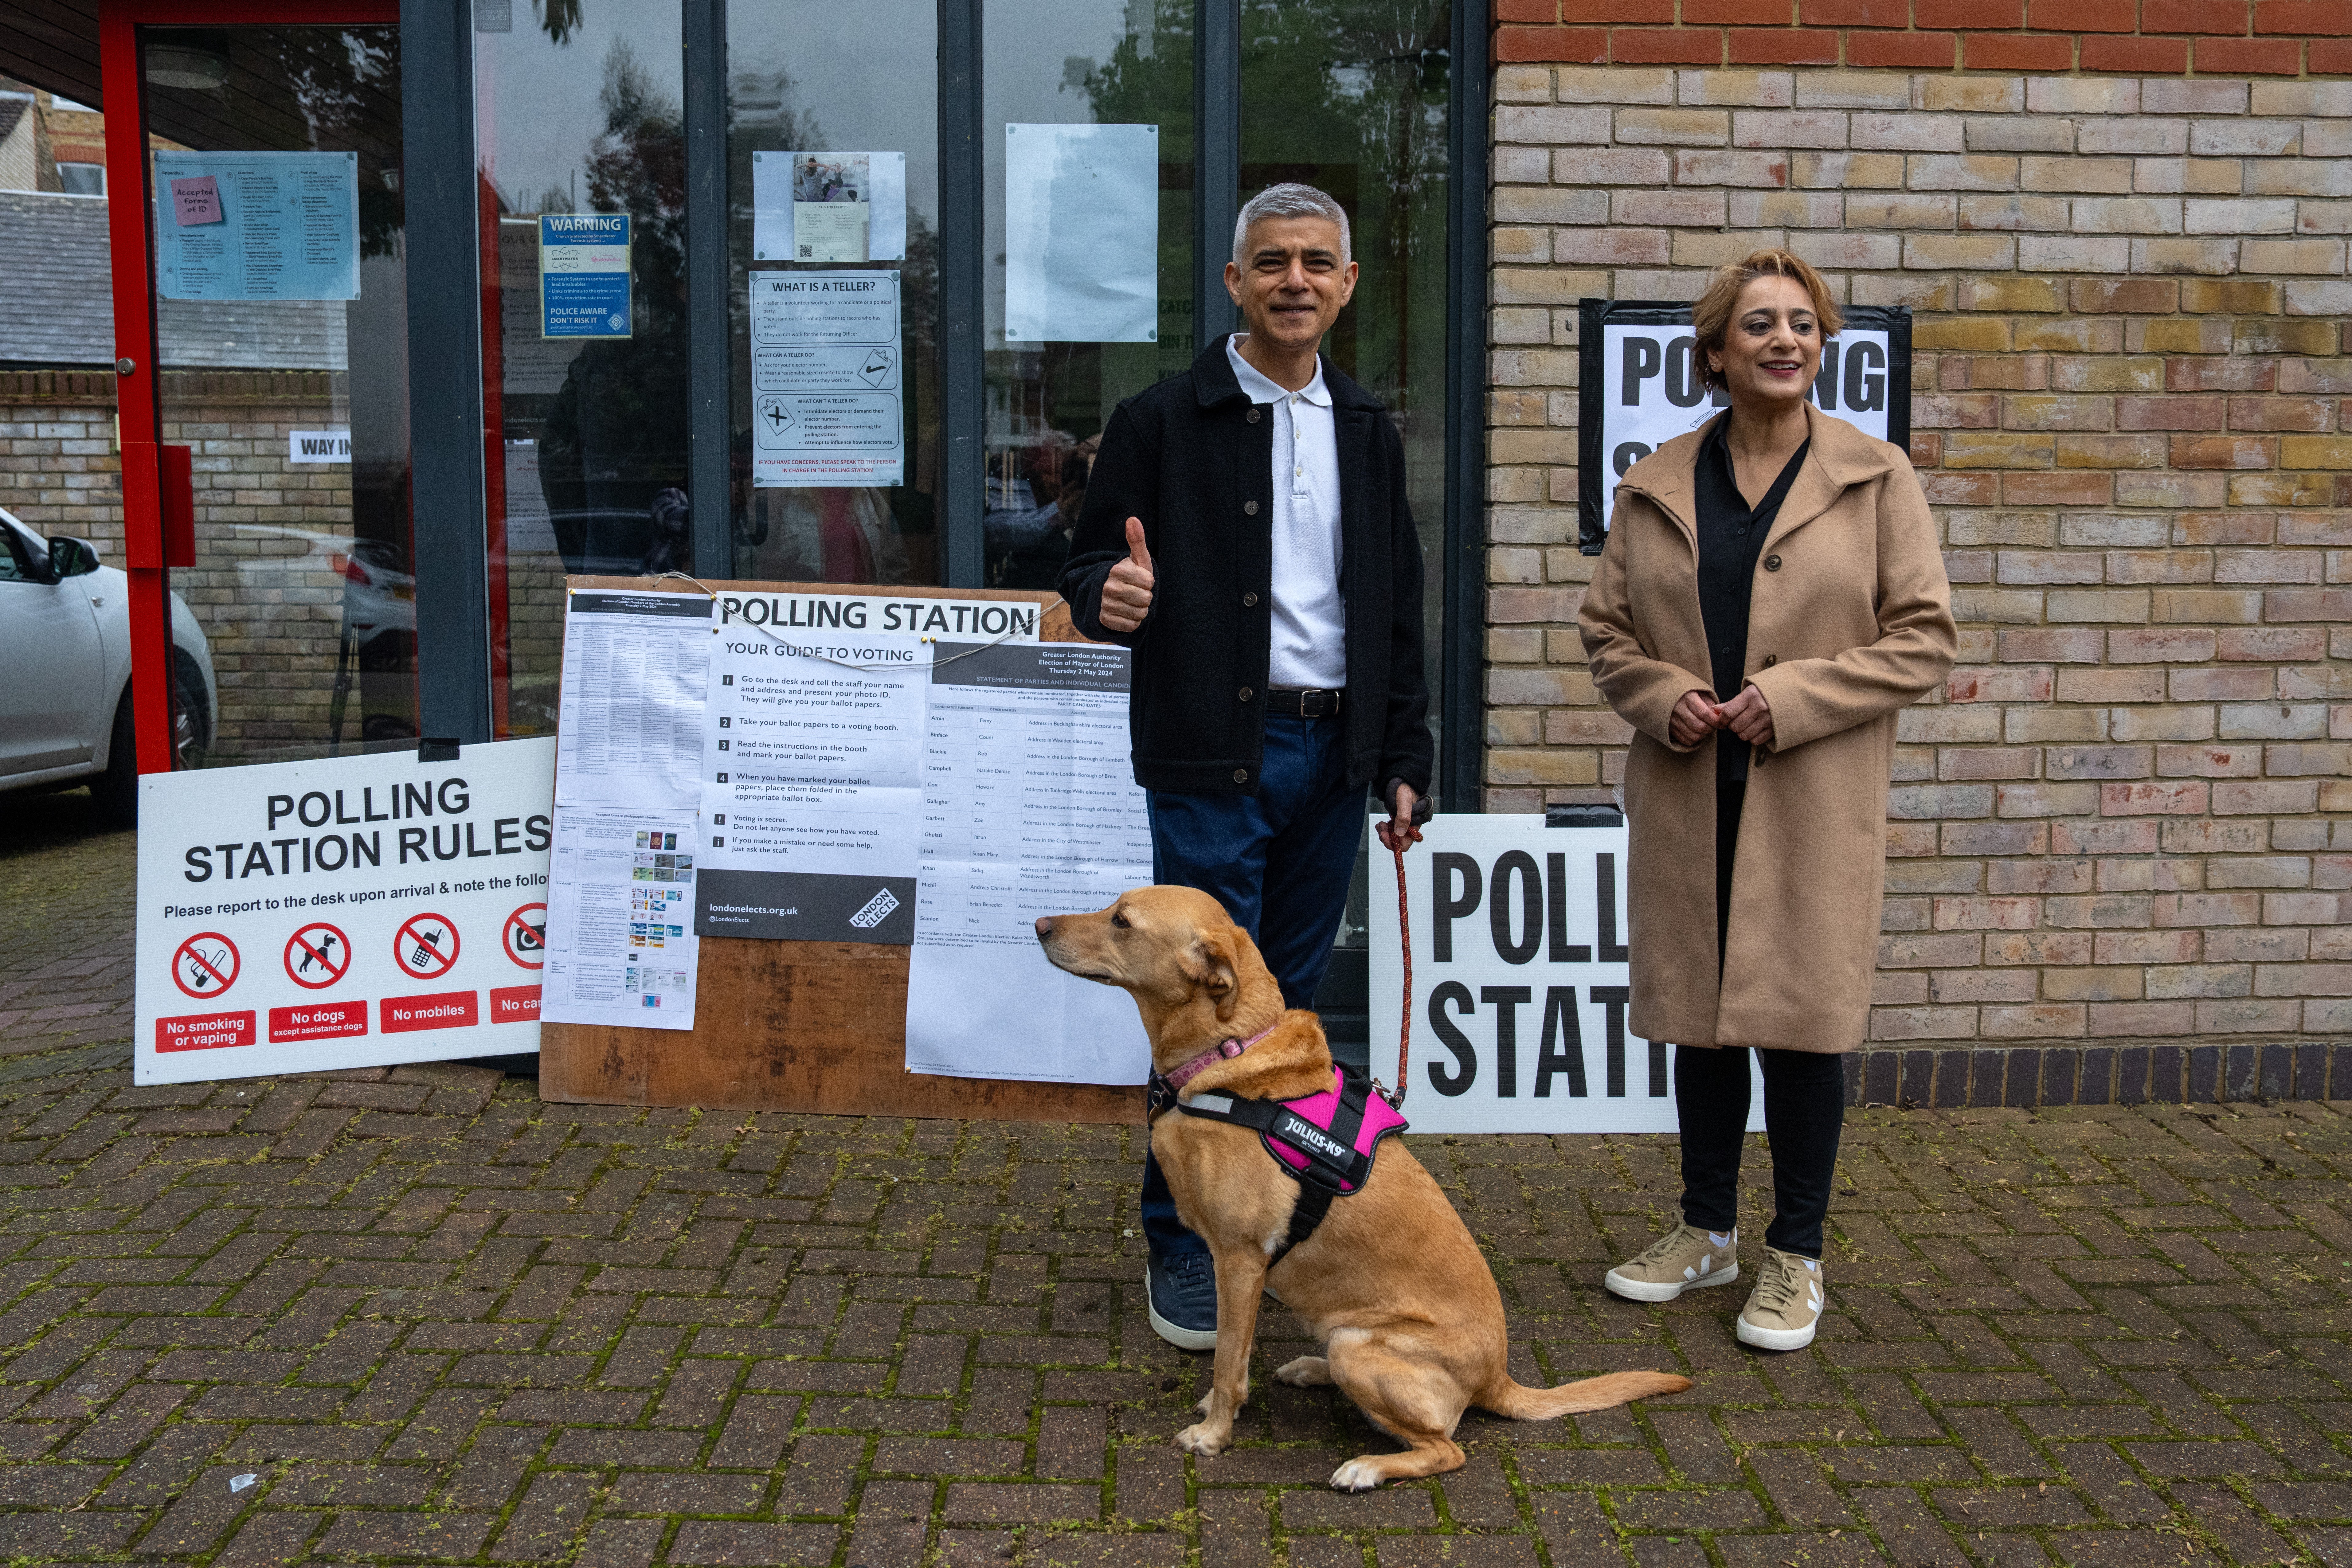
(1127, 593)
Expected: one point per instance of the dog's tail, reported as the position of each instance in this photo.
(1521, 1403)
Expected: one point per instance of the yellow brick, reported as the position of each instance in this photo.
(2281, 490)
(1998, 450)
(2185, 337)
(2316, 452)
(2259, 335)
(2111, 451)
(1980, 334)
(2008, 294)
(2228, 296)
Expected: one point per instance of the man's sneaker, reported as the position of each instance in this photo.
(1786, 1305)
(1685, 1259)
(1181, 1292)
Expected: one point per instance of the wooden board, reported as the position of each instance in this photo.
(802, 1025)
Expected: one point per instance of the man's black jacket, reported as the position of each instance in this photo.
(1193, 458)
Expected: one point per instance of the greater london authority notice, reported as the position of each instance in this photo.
(1029, 808)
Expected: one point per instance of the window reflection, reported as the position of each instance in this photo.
(1352, 96)
(833, 84)
(1112, 62)
(577, 111)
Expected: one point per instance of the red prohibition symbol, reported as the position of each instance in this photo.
(525, 936)
(317, 956)
(205, 966)
(426, 946)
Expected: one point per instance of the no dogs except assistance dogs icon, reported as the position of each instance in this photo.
(317, 956)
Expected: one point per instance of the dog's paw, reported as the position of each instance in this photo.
(1306, 1372)
(1204, 1440)
(1356, 1475)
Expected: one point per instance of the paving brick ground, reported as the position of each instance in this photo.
(434, 1319)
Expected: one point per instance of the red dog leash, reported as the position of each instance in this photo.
(1404, 1010)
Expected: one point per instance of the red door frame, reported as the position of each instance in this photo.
(132, 204)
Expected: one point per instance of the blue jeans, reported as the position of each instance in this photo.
(1280, 861)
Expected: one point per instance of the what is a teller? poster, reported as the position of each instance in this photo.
(826, 377)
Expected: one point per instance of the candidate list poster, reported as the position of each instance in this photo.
(1030, 808)
(826, 379)
(350, 911)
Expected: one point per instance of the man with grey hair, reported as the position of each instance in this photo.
(1245, 533)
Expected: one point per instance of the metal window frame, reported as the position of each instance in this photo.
(710, 477)
(963, 300)
(445, 376)
(447, 487)
(1462, 677)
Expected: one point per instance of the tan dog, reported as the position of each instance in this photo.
(1391, 1284)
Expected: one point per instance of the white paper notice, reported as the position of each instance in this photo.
(1082, 233)
(1029, 808)
(826, 362)
(258, 226)
(528, 362)
(814, 761)
(620, 947)
(790, 193)
(630, 731)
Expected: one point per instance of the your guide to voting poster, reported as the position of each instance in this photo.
(813, 760)
(353, 911)
(258, 226)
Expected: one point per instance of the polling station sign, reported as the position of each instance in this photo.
(1520, 983)
(1637, 356)
(353, 911)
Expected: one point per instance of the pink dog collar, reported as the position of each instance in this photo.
(1223, 1050)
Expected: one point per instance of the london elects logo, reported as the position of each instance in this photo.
(877, 910)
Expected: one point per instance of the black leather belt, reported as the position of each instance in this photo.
(1298, 703)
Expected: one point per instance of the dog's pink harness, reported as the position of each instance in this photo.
(1325, 1142)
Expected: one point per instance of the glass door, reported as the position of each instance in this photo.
(265, 395)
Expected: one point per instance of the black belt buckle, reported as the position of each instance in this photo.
(1307, 703)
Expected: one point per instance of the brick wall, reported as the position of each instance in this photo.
(2226, 37)
(2128, 817)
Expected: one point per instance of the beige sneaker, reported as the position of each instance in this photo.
(1685, 1259)
(1787, 1304)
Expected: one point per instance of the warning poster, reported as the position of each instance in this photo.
(356, 911)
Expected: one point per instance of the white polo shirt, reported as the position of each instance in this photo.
(1309, 645)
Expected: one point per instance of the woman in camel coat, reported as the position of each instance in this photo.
(1770, 596)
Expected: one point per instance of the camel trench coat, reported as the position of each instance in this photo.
(1850, 621)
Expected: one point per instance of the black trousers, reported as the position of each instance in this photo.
(1804, 1105)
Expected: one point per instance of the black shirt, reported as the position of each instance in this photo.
(1730, 539)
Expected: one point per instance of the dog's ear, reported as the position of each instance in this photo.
(1209, 965)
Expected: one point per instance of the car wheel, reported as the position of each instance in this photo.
(192, 719)
(116, 791)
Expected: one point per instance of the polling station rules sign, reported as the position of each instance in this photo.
(354, 911)
(1520, 983)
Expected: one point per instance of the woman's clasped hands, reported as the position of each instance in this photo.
(1698, 715)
